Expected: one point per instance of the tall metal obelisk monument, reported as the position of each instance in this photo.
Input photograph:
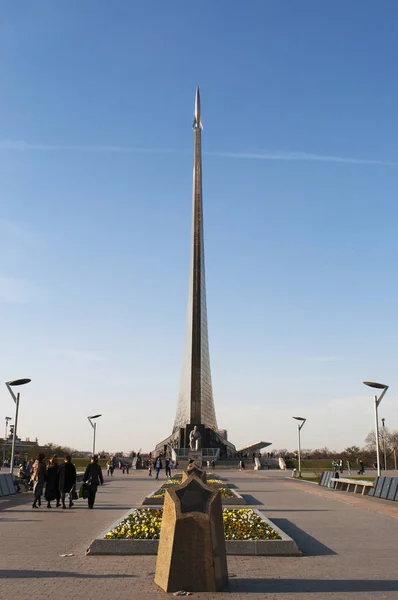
(195, 404)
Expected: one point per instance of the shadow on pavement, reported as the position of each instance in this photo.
(21, 574)
(262, 491)
(250, 500)
(298, 509)
(297, 586)
(19, 520)
(307, 544)
(17, 500)
(111, 507)
(76, 508)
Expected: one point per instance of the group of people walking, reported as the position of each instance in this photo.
(158, 464)
(59, 481)
(111, 466)
(339, 466)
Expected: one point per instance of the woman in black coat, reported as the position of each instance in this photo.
(52, 482)
(92, 478)
(67, 480)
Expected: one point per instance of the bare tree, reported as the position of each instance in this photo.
(394, 446)
(370, 441)
(388, 443)
(394, 440)
(352, 453)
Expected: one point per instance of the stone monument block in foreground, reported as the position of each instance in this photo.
(196, 457)
(194, 469)
(192, 552)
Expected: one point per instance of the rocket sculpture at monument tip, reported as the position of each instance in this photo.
(196, 121)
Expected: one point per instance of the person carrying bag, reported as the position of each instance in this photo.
(67, 480)
(92, 478)
(84, 491)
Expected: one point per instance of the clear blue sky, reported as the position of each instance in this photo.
(299, 105)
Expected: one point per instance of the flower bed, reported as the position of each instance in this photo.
(176, 479)
(211, 480)
(172, 481)
(145, 524)
(247, 532)
(245, 524)
(141, 524)
(225, 493)
(229, 497)
(214, 481)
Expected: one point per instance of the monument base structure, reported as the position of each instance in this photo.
(214, 447)
(195, 426)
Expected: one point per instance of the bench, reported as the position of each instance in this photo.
(359, 485)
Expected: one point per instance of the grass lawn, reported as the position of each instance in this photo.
(316, 479)
(309, 470)
(310, 465)
(322, 464)
(81, 463)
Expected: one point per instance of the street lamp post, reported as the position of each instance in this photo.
(16, 382)
(94, 426)
(377, 400)
(299, 428)
(383, 422)
(5, 440)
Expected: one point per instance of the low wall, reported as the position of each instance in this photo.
(8, 487)
(385, 488)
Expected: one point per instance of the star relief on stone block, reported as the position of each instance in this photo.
(195, 470)
(193, 496)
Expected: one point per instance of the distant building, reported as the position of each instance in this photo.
(253, 447)
(223, 433)
(22, 447)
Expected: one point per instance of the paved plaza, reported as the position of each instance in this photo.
(349, 545)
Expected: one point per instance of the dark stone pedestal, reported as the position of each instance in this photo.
(192, 552)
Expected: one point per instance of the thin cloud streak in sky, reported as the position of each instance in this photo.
(303, 156)
(324, 358)
(80, 355)
(17, 233)
(21, 145)
(15, 290)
